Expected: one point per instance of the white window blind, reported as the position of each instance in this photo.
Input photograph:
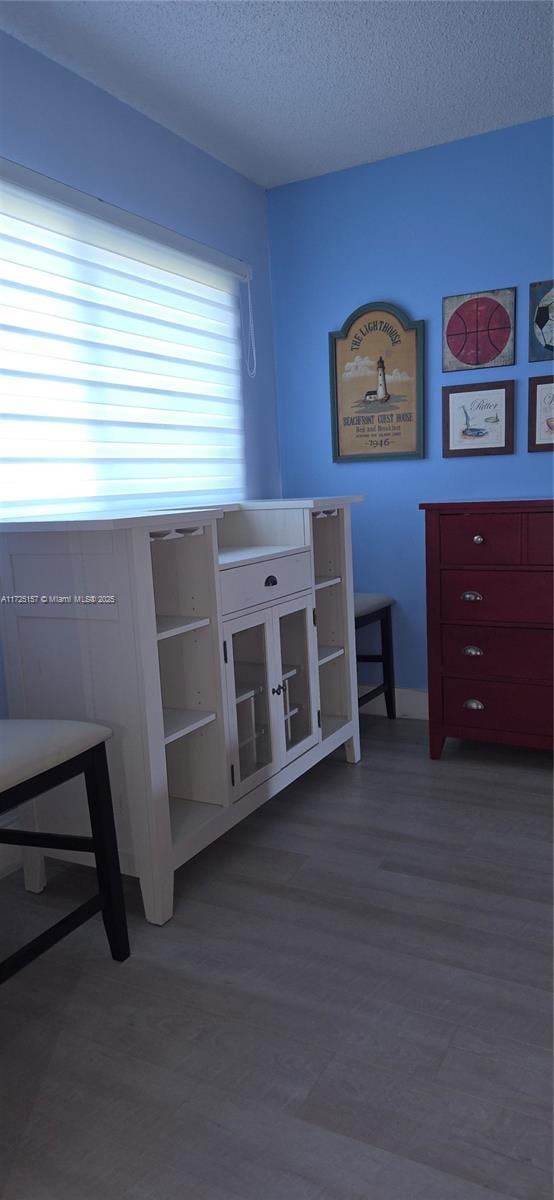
(120, 367)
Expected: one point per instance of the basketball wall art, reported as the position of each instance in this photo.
(541, 321)
(376, 368)
(478, 419)
(478, 330)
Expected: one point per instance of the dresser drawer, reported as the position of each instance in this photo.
(481, 651)
(483, 539)
(477, 596)
(258, 583)
(540, 539)
(525, 707)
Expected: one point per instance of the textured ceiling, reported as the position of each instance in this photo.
(282, 91)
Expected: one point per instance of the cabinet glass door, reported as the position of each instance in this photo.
(299, 676)
(250, 700)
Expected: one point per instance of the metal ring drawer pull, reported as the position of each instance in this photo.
(471, 596)
(271, 581)
(475, 704)
(478, 539)
(472, 651)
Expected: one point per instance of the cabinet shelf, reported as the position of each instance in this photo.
(326, 654)
(236, 556)
(178, 722)
(187, 818)
(259, 732)
(331, 724)
(290, 672)
(325, 581)
(247, 691)
(172, 626)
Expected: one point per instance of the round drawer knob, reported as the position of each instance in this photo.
(474, 704)
(472, 651)
(478, 539)
(471, 596)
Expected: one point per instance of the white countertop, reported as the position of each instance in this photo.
(156, 519)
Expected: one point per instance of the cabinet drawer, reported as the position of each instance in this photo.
(540, 539)
(481, 651)
(483, 539)
(524, 707)
(524, 596)
(258, 583)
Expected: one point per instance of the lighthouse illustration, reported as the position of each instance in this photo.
(380, 392)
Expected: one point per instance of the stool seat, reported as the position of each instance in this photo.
(28, 747)
(369, 602)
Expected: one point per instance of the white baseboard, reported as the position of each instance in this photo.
(410, 702)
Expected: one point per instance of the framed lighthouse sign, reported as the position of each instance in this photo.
(377, 381)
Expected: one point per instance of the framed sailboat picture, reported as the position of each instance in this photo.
(376, 369)
(478, 419)
(541, 413)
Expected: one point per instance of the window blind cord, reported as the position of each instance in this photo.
(249, 342)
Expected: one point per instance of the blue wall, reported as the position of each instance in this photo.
(55, 122)
(471, 215)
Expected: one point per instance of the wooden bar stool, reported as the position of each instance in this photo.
(368, 608)
(34, 757)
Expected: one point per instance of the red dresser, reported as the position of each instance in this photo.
(489, 622)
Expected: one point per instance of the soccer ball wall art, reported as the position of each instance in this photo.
(541, 321)
(478, 330)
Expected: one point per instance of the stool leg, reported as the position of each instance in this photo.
(388, 664)
(34, 871)
(99, 798)
(34, 868)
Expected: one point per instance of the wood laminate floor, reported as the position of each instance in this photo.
(351, 1003)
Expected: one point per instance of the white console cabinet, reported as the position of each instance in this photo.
(218, 645)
